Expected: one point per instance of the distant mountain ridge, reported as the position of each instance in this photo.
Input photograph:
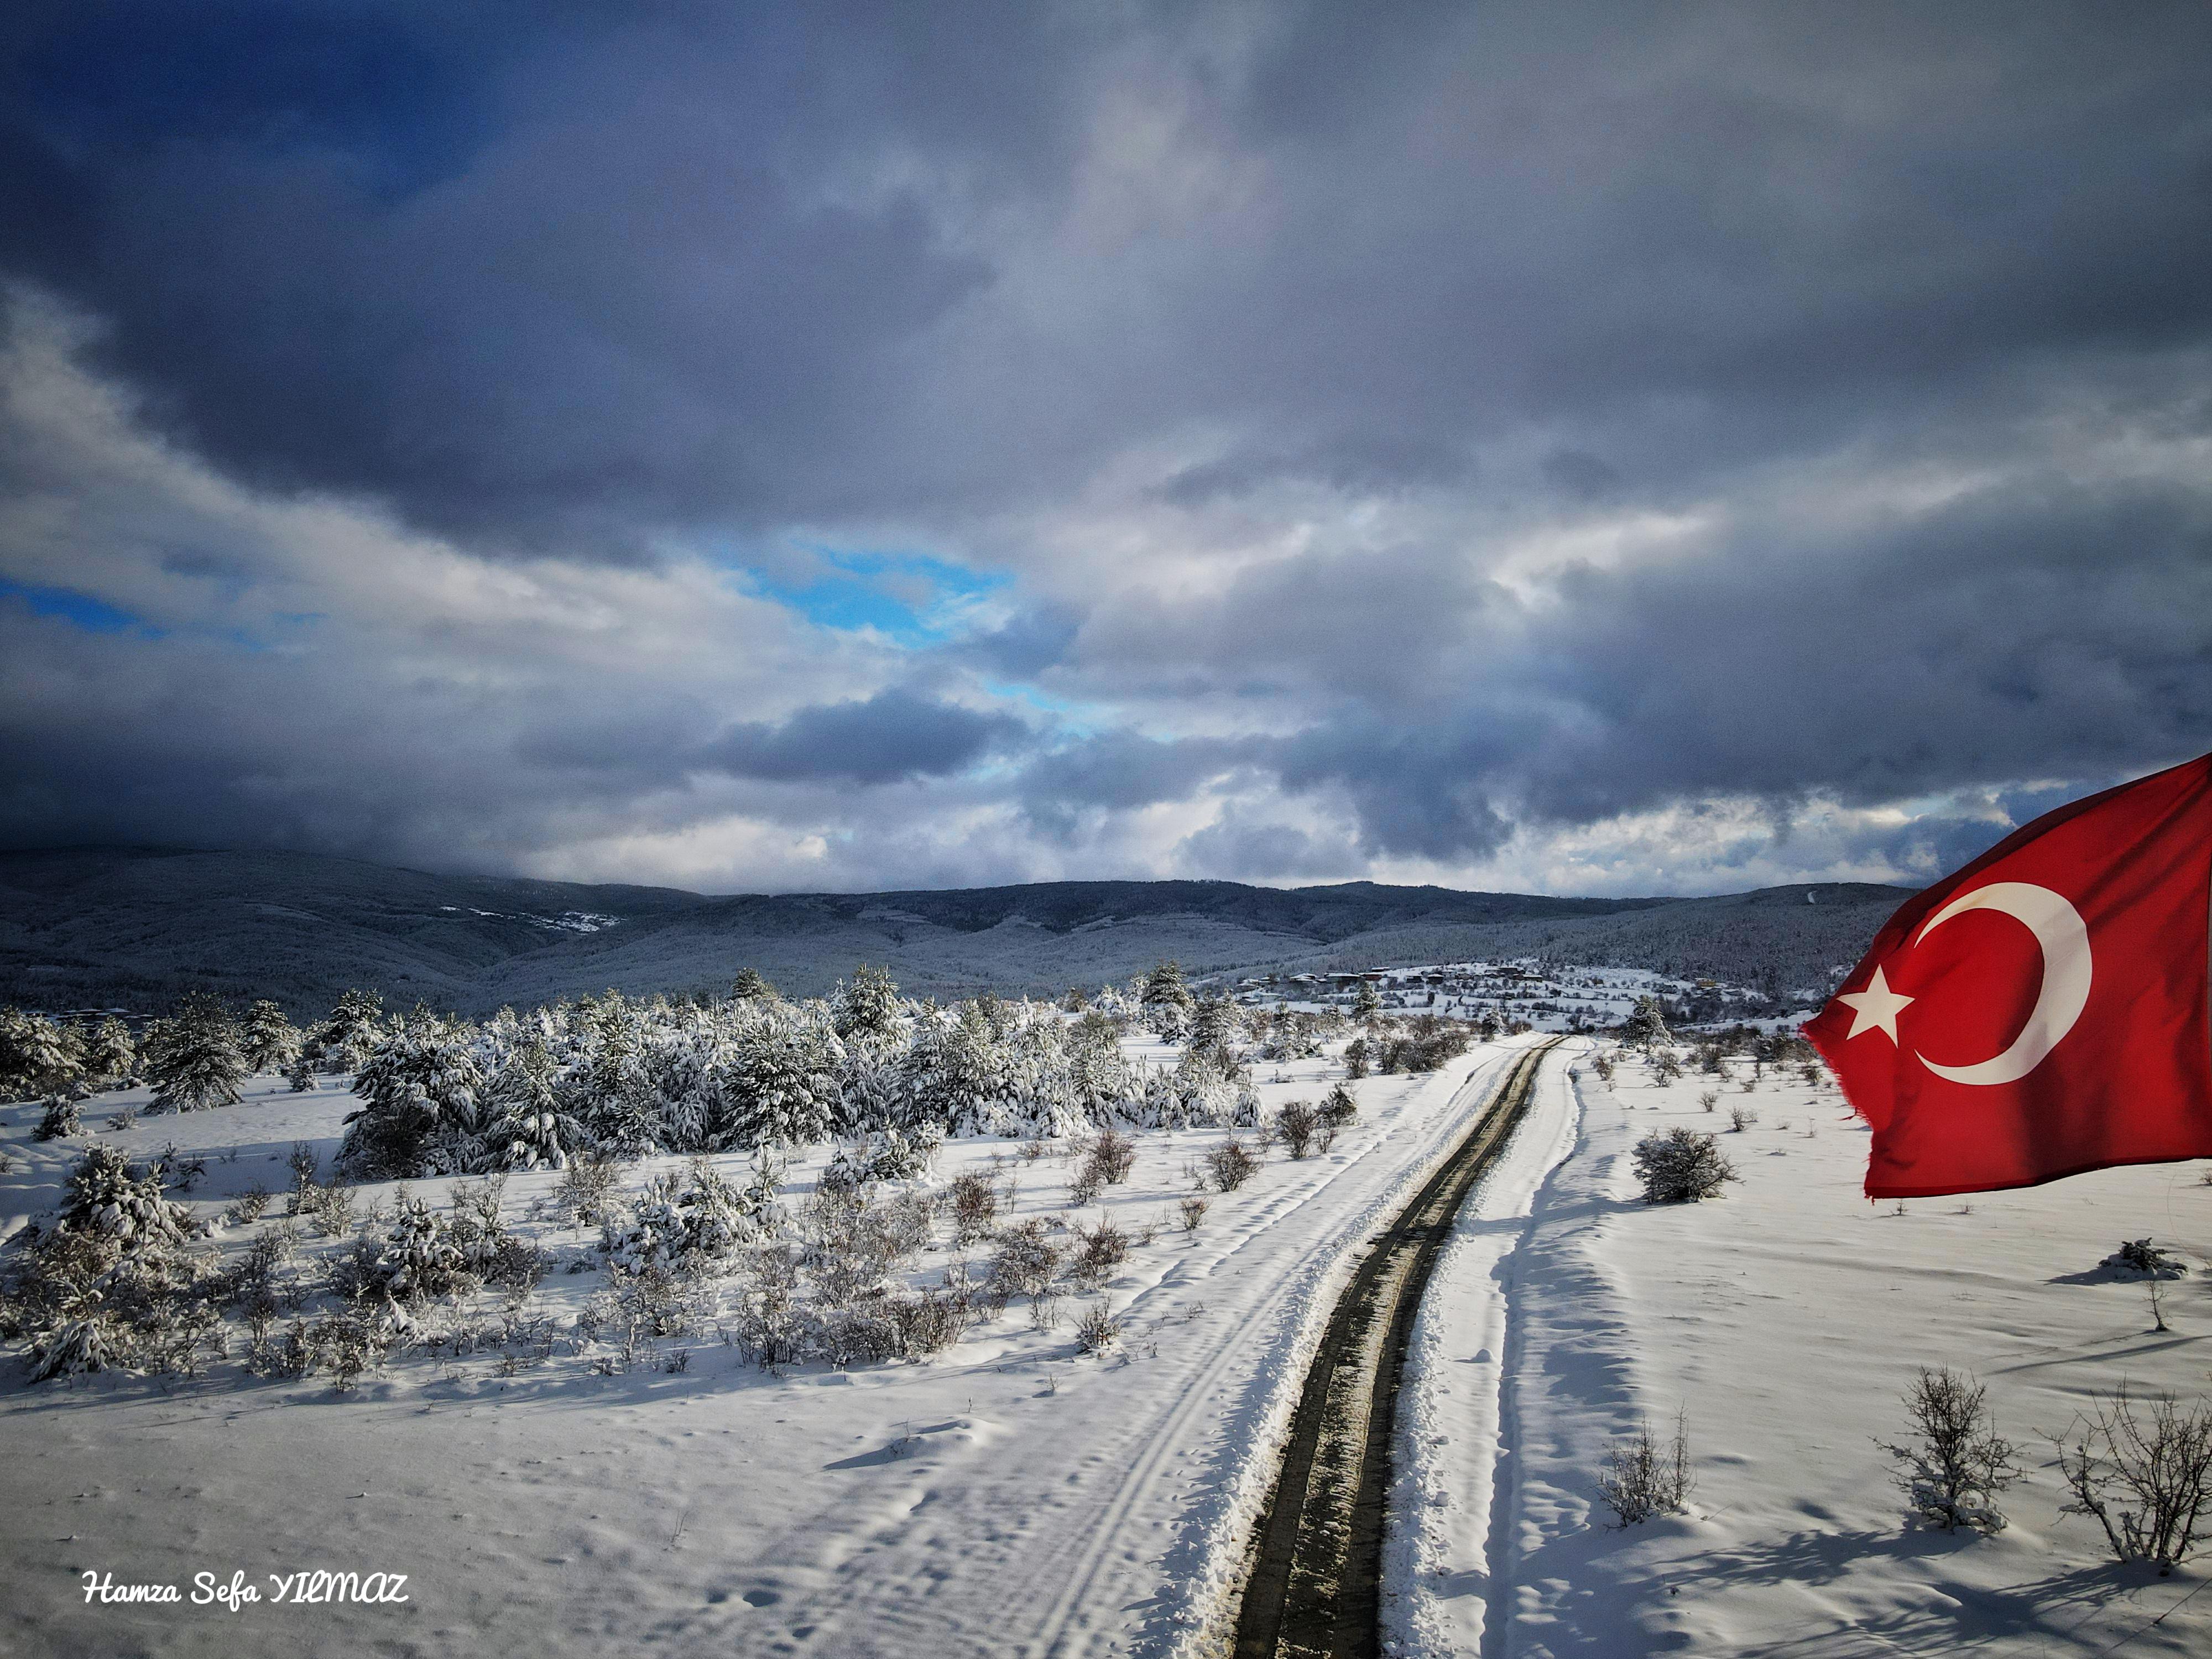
(135, 927)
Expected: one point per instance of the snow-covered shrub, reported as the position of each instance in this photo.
(2148, 1480)
(767, 1327)
(2139, 1258)
(1098, 1329)
(1339, 1111)
(1741, 1118)
(1192, 1210)
(1423, 1043)
(853, 1239)
(1112, 1154)
(1644, 1477)
(930, 1320)
(328, 1209)
(585, 1187)
(345, 1344)
(645, 1235)
(887, 1154)
(1666, 1065)
(110, 1285)
(61, 1120)
(425, 1255)
(1026, 1260)
(1952, 1473)
(1297, 1125)
(685, 1228)
(106, 1199)
(1681, 1167)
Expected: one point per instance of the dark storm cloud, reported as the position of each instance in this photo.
(1122, 770)
(894, 735)
(616, 272)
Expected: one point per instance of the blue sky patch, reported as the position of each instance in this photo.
(81, 610)
(910, 597)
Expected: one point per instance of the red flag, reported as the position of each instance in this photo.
(2048, 1009)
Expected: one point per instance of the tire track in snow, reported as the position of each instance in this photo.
(1316, 1576)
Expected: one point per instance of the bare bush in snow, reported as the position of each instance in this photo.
(1098, 1329)
(1644, 1477)
(1231, 1164)
(1952, 1473)
(2147, 1479)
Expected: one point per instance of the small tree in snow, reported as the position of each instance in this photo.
(1681, 1167)
(1952, 1474)
(1647, 1026)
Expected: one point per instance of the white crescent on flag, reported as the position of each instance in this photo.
(2067, 970)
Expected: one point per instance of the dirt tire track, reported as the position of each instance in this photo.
(1315, 1587)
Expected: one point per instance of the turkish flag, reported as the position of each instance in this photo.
(2048, 1009)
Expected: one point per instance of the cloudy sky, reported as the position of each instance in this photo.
(1604, 449)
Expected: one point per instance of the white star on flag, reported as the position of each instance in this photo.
(1876, 1008)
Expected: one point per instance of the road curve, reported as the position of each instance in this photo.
(1315, 1587)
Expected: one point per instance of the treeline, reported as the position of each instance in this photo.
(626, 1077)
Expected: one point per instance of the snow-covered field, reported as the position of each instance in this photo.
(1012, 1496)
(1008, 1497)
(1783, 1321)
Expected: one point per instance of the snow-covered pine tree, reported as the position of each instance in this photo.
(269, 1040)
(300, 1073)
(751, 985)
(422, 1104)
(110, 1056)
(1166, 1001)
(197, 1062)
(783, 1078)
(1366, 1001)
(1646, 1028)
(609, 1092)
(340, 1043)
(529, 1129)
(1103, 1083)
(1212, 1023)
(869, 1006)
(36, 1055)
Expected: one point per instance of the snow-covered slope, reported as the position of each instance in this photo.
(1783, 1321)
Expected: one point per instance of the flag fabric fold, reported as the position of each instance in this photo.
(2045, 1011)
